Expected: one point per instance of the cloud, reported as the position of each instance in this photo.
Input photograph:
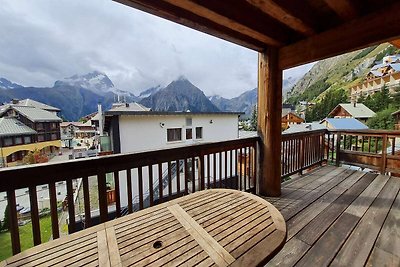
(46, 40)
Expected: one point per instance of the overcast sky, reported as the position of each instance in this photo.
(45, 40)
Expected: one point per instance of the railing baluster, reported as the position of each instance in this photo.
(14, 229)
(151, 195)
(250, 166)
(201, 167)
(193, 175)
(240, 168)
(34, 215)
(117, 195)
(215, 169)
(245, 168)
(231, 169)
(71, 207)
(208, 172)
(369, 144)
(53, 210)
(393, 145)
(160, 183)
(226, 169)
(178, 178)
(86, 201)
(129, 189)
(102, 187)
(169, 180)
(140, 185)
(185, 166)
(220, 169)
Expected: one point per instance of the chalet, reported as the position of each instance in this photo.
(354, 110)
(385, 74)
(44, 133)
(290, 118)
(396, 116)
(15, 140)
(332, 215)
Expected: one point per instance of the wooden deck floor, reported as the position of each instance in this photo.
(340, 217)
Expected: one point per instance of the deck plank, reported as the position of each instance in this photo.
(311, 232)
(389, 237)
(303, 217)
(358, 246)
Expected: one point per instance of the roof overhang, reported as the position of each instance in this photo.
(303, 31)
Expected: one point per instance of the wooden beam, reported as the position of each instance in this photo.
(165, 10)
(376, 28)
(396, 43)
(269, 121)
(344, 8)
(283, 15)
(223, 20)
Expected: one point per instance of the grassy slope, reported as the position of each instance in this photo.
(26, 237)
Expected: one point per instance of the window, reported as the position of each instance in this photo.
(27, 140)
(199, 132)
(8, 141)
(174, 134)
(189, 134)
(53, 136)
(39, 126)
(40, 138)
(18, 140)
(188, 121)
(53, 125)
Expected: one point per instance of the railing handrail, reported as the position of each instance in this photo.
(44, 173)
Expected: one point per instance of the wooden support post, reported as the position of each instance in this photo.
(269, 121)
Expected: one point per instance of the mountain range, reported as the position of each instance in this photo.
(78, 95)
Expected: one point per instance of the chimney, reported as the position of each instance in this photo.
(127, 105)
(355, 104)
(100, 112)
(15, 101)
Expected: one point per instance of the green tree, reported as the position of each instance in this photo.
(6, 221)
(253, 119)
(321, 110)
(379, 101)
(396, 98)
(382, 120)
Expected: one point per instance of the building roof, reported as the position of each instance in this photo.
(304, 127)
(33, 103)
(396, 112)
(12, 127)
(346, 124)
(129, 107)
(36, 114)
(74, 123)
(166, 113)
(357, 110)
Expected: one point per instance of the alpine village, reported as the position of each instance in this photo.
(303, 169)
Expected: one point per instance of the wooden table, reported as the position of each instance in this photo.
(212, 227)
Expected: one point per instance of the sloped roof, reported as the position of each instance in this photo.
(304, 127)
(358, 111)
(12, 126)
(36, 114)
(129, 107)
(346, 124)
(33, 103)
(396, 112)
(395, 66)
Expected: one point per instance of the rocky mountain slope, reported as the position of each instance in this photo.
(179, 95)
(340, 72)
(243, 103)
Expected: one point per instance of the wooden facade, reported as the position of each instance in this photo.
(291, 118)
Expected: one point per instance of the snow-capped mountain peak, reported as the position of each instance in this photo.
(95, 81)
(6, 84)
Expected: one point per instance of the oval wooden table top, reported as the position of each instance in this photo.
(211, 227)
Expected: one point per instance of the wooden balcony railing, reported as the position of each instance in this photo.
(139, 180)
(378, 150)
(157, 175)
(397, 127)
(301, 151)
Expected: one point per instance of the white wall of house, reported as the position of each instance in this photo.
(149, 132)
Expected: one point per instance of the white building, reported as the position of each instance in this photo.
(138, 131)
